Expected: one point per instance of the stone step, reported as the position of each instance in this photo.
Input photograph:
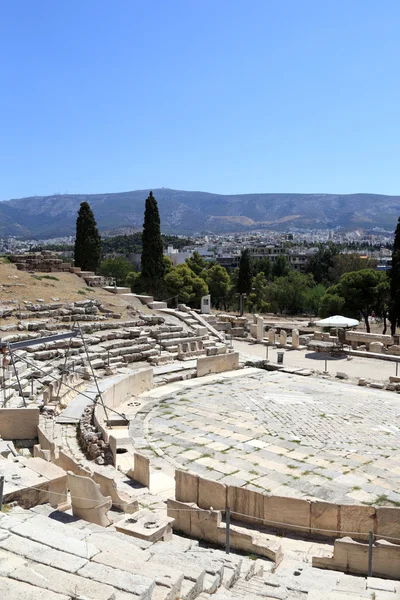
(259, 589)
(54, 580)
(17, 590)
(139, 585)
(39, 553)
(47, 536)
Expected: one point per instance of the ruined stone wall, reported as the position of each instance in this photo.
(314, 518)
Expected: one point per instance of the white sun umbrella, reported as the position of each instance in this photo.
(337, 321)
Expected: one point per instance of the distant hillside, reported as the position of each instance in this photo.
(190, 212)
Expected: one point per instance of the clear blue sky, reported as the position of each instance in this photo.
(223, 96)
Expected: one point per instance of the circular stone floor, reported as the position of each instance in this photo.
(288, 435)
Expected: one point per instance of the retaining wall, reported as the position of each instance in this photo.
(118, 391)
(314, 518)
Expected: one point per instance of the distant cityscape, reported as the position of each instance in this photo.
(296, 246)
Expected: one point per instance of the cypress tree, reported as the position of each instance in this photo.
(153, 267)
(394, 277)
(245, 273)
(87, 240)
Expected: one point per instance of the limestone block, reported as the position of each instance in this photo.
(19, 423)
(245, 502)
(352, 557)
(204, 524)
(324, 515)
(260, 329)
(186, 486)
(181, 512)
(87, 501)
(283, 338)
(366, 338)
(388, 521)
(141, 472)
(271, 336)
(211, 494)
(357, 519)
(217, 364)
(295, 338)
(147, 525)
(253, 330)
(39, 453)
(376, 347)
(289, 511)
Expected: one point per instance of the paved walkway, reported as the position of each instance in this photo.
(371, 369)
(285, 434)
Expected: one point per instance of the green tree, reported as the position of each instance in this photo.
(346, 263)
(257, 300)
(287, 294)
(321, 263)
(394, 278)
(196, 263)
(232, 299)
(134, 281)
(313, 297)
(152, 262)
(262, 265)
(245, 273)
(183, 283)
(331, 304)
(218, 281)
(383, 300)
(118, 267)
(87, 240)
(360, 289)
(280, 267)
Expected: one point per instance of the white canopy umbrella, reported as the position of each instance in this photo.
(337, 321)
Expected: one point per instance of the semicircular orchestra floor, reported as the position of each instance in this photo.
(287, 435)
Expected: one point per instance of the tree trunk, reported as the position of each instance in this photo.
(384, 323)
(392, 319)
(365, 315)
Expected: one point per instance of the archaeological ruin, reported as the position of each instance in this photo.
(155, 453)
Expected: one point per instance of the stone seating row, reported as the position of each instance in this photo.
(54, 558)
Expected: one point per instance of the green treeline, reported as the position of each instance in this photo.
(333, 282)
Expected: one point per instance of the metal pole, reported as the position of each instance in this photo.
(397, 368)
(326, 365)
(17, 376)
(267, 350)
(94, 377)
(228, 531)
(370, 545)
(1, 491)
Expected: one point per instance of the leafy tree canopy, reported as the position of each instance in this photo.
(218, 282)
(280, 267)
(196, 263)
(118, 267)
(361, 291)
(288, 294)
(262, 265)
(320, 265)
(183, 283)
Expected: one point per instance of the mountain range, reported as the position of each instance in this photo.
(187, 213)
